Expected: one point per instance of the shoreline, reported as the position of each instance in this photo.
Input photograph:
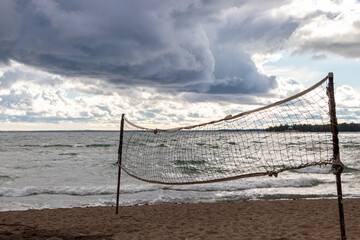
(264, 219)
(295, 198)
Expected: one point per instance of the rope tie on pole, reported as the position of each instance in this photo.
(338, 168)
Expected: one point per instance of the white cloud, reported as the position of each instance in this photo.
(347, 97)
(330, 26)
(32, 104)
(260, 59)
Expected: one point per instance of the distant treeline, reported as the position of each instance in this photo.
(343, 127)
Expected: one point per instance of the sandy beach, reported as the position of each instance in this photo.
(287, 219)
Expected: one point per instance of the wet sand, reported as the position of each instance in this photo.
(279, 219)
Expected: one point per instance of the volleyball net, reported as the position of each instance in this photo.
(290, 134)
(296, 132)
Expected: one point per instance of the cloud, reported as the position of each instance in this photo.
(19, 72)
(162, 61)
(183, 46)
(9, 21)
(332, 28)
(347, 97)
(256, 26)
(179, 45)
(227, 75)
(347, 104)
(67, 104)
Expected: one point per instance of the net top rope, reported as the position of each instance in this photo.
(230, 117)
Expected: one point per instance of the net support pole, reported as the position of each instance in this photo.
(337, 165)
(119, 161)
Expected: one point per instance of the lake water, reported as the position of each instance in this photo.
(76, 169)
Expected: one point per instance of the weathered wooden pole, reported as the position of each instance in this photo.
(337, 165)
(119, 161)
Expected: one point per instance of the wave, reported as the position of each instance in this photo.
(220, 192)
(245, 185)
(99, 145)
(5, 178)
(227, 187)
(95, 145)
(48, 145)
(350, 170)
(351, 145)
(133, 189)
(59, 145)
(295, 196)
(77, 191)
(323, 169)
(314, 169)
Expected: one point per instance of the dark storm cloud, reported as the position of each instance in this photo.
(180, 45)
(256, 30)
(229, 62)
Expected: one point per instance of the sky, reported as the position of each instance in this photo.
(78, 65)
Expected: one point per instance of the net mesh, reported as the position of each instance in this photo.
(264, 141)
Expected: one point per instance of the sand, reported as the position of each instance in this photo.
(280, 219)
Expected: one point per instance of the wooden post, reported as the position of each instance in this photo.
(337, 165)
(119, 161)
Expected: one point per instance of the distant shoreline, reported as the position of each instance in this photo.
(342, 127)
